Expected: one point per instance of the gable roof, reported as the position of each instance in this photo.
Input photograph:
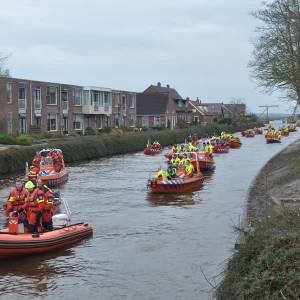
(213, 108)
(163, 89)
(203, 110)
(151, 104)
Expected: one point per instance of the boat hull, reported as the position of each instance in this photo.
(26, 243)
(221, 150)
(151, 151)
(54, 180)
(235, 144)
(273, 141)
(177, 185)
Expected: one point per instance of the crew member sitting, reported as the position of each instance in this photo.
(189, 170)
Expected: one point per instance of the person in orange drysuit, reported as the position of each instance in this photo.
(32, 206)
(47, 208)
(17, 198)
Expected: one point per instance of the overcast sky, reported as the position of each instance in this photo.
(200, 47)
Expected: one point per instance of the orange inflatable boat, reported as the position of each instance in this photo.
(151, 151)
(235, 143)
(19, 244)
(48, 166)
(178, 185)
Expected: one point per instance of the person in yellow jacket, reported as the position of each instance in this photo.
(189, 170)
(161, 174)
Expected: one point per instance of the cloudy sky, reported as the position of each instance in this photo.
(200, 47)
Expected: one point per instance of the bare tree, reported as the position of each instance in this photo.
(276, 56)
(3, 70)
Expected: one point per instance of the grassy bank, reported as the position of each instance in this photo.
(267, 264)
(91, 147)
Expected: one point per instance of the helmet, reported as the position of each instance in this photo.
(29, 185)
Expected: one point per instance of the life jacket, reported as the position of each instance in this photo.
(47, 208)
(16, 199)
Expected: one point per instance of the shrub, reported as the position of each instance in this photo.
(79, 132)
(90, 131)
(24, 139)
(7, 139)
(48, 135)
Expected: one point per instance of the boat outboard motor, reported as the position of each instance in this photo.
(60, 220)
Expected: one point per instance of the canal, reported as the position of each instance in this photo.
(144, 246)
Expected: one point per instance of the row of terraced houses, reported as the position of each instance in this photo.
(35, 107)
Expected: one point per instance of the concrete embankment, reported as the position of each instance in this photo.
(266, 264)
(76, 149)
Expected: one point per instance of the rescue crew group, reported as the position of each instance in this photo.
(54, 156)
(180, 164)
(33, 205)
(155, 145)
(272, 133)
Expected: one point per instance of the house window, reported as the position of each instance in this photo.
(106, 101)
(86, 98)
(64, 98)
(38, 122)
(37, 98)
(145, 122)
(22, 124)
(116, 119)
(123, 102)
(51, 95)
(116, 100)
(132, 120)
(52, 122)
(9, 92)
(157, 121)
(65, 125)
(78, 122)
(78, 97)
(98, 122)
(96, 100)
(131, 100)
(9, 122)
(21, 96)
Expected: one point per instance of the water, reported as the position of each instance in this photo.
(144, 246)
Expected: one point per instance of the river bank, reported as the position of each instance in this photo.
(13, 158)
(266, 264)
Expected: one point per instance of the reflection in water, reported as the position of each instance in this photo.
(145, 246)
(171, 199)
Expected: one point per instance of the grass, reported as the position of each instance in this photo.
(295, 172)
(267, 266)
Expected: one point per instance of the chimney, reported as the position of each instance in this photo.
(158, 84)
(168, 86)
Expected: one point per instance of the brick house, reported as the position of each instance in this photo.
(29, 106)
(152, 110)
(200, 115)
(123, 109)
(171, 107)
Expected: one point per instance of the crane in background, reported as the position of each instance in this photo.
(267, 109)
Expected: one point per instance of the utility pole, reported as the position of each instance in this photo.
(267, 109)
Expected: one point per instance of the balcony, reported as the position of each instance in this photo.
(96, 110)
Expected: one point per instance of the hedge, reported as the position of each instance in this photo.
(91, 147)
